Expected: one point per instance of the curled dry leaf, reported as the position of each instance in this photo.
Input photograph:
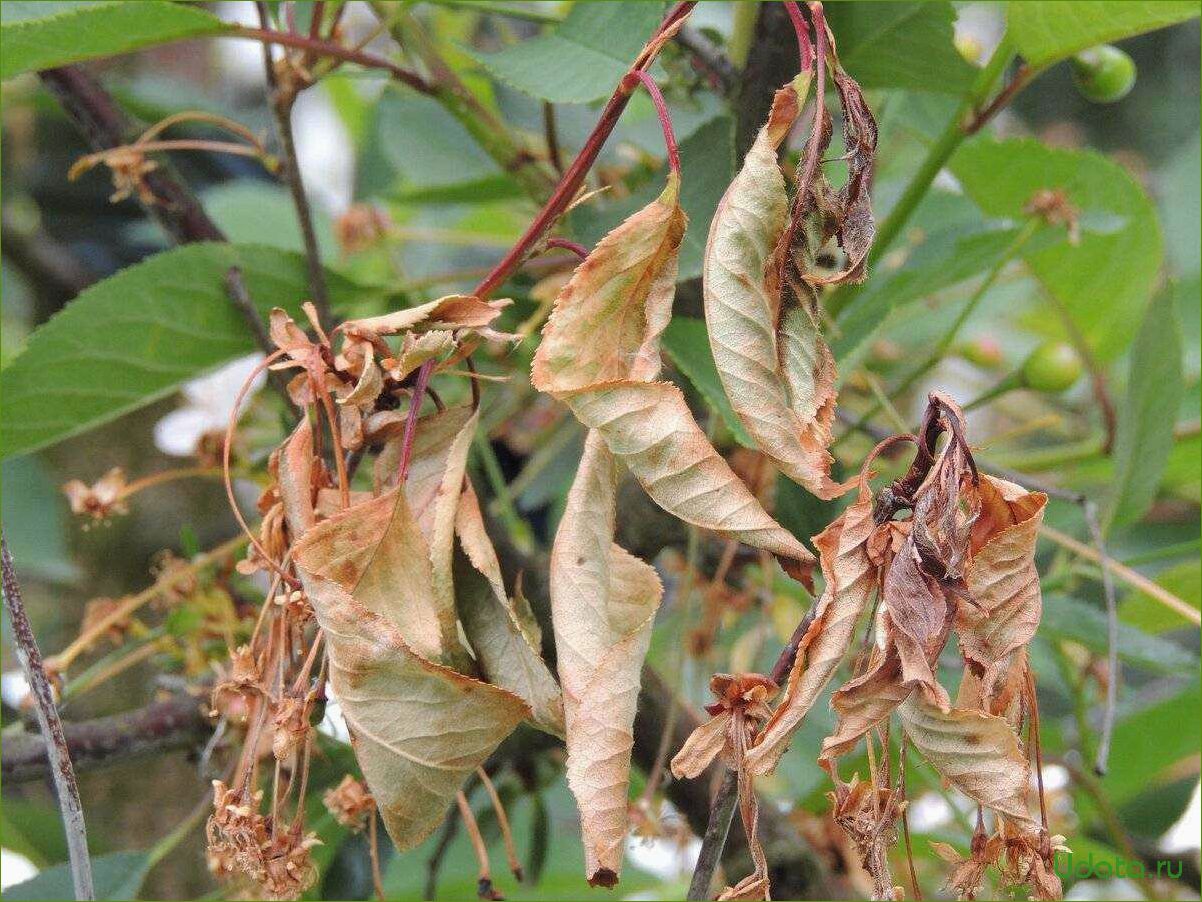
(456, 311)
(771, 357)
(603, 603)
(506, 649)
(419, 727)
(1003, 580)
(600, 353)
(851, 577)
(977, 753)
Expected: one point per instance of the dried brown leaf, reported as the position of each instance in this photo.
(600, 353)
(773, 362)
(504, 652)
(977, 753)
(850, 583)
(603, 602)
(1002, 579)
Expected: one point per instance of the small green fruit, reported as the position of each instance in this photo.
(1052, 367)
(1103, 74)
(984, 352)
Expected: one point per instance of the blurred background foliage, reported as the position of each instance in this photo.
(409, 205)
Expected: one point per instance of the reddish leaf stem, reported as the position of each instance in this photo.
(573, 178)
(578, 249)
(665, 120)
(415, 405)
(804, 46)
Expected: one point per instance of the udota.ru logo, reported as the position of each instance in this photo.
(1104, 868)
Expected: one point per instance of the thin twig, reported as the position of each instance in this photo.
(1090, 511)
(1126, 574)
(281, 99)
(511, 852)
(373, 847)
(551, 135)
(1022, 78)
(328, 48)
(722, 812)
(450, 826)
(52, 728)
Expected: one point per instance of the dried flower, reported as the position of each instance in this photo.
(236, 832)
(288, 868)
(360, 227)
(1056, 209)
(100, 500)
(350, 803)
(240, 682)
(291, 722)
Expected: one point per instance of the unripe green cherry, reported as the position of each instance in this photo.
(1052, 367)
(1103, 74)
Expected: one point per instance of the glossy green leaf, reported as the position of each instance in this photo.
(1148, 413)
(1070, 618)
(1045, 32)
(584, 57)
(900, 45)
(41, 35)
(944, 259)
(139, 334)
(115, 876)
(1105, 280)
(688, 346)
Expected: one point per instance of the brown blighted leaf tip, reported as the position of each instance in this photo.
(603, 877)
(802, 571)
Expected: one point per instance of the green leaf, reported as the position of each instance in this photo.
(139, 334)
(1105, 280)
(118, 875)
(900, 45)
(944, 259)
(706, 168)
(1143, 612)
(1070, 618)
(584, 57)
(1150, 740)
(414, 136)
(33, 510)
(1148, 414)
(688, 344)
(41, 35)
(1045, 32)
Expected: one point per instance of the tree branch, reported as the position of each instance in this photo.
(58, 755)
(281, 98)
(163, 726)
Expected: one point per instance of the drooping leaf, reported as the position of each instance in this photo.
(506, 652)
(706, 168)
(1149, 412)
(584, 57)
(1003, 581)
(687, 343)
(42, 35)
(1047, 32)
(418, 727)
(769, 351)
(603, 603)
(171, 320)
(977, 753)
(900, 45)
(118, 875)
(599, 351)
(1105, 279)
(850, 583)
